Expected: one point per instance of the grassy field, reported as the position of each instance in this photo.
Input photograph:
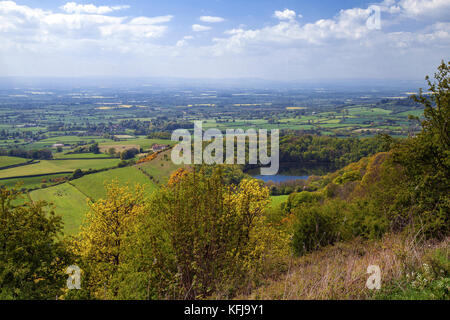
(277, 201)
(58, 166)
(142, 142)
(10, 161)
(32, 182)
(68, 202)
(364, 111)
(160, 168)
(93, 185)
(80, 155)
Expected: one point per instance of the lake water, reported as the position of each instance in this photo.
(292, 172)
(280, 178)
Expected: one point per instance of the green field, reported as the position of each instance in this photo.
(32, 182)
(142, 142)
(10, 161)
(416, 113)
(81, 155)
(58, 166)
(93, 185)
(68, 202)
(277, 201)
(160, 168)
(366, 111)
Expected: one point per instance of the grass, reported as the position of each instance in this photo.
(366, 111)
(160, 168)
(6, 161)
(93, 185)
(58, 166)
(142, 142)
(277, 201)
(274, 214)
(81, 156)
(72, 139)
(340, 271)
(32, 182)
(67, 201)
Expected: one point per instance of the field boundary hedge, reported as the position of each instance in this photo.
(96, 158)
(37, 175)
(19, 164)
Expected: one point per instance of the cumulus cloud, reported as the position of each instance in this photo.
(183, 42)
(28, 26)
(426, 8)
(200, 28)
(349, 24)
(152, 20)
(210, 19)
(89, 41)
(73, 7)
(286, 14)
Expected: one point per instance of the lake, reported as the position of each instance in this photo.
(289, 172)
(280, 178)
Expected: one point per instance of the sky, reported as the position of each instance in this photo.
(224, 39)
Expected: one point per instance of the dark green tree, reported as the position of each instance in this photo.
(426, 158)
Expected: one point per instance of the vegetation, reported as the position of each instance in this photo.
(67, 201)
(153, 230)
(10, 161)
(307, 149)
(32, 260)
(196, 237)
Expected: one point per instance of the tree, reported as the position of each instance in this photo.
(100, 243)
(78, 173)
(201, 237)
(129, 154)
(94, 148)
(32, 257)
(426, 158)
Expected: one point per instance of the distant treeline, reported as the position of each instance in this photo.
(42, 154)
(306, 149)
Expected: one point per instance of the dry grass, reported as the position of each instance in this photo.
(339, 271)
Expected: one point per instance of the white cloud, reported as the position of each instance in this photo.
(45, 42)
(286, 14)
(426, 8)
(183, 42)
(73, 7)
(153, 20)
(349, 24)
(210, 19)
(29, 27)
(200, 28)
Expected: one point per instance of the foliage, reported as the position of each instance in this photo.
(426, 159)
(430, 281)
(100, 244)
(338, 152)
(32, 257)
(28, 154)
(201, 237)
(129, 154)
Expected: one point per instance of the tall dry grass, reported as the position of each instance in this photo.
(339, 271)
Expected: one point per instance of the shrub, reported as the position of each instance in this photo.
(316, 226)
(202, 238)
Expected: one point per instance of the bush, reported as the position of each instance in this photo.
(317, 226)
(202, 238)
(77, 174)
(296, 199)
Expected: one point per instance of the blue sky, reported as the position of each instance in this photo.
(277, 40)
